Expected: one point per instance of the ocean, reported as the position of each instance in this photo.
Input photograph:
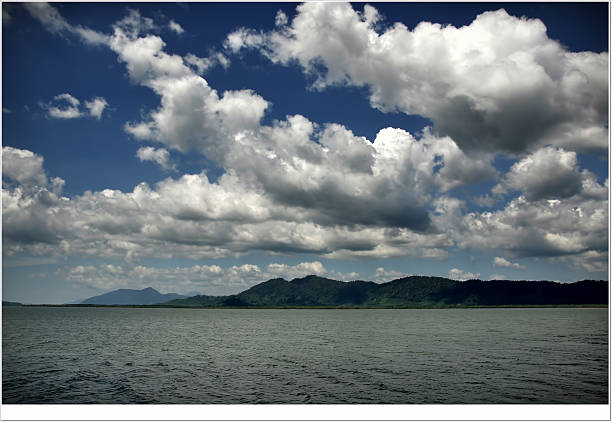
(236, 356)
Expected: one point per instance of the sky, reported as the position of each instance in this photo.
(202, 148)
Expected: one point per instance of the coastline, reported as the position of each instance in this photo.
(586, 305)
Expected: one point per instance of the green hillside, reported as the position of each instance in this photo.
(409, 291)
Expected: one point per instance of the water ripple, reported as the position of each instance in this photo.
(99, 355)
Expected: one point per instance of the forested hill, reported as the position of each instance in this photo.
(408, 291)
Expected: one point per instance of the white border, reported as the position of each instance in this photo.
(305, 412)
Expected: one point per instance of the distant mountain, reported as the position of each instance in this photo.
(148, 296)
(408, 291)
(7, 303)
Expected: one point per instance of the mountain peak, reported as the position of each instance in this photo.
(149, 289)
(146, 296)
(309, 278)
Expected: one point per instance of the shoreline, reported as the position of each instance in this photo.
(314, 307)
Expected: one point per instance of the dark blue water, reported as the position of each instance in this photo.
(230, 356)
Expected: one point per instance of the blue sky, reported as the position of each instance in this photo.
(206, 147)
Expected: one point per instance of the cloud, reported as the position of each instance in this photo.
(53, 22)
(193, 116)
(134, 24)
(321, 171)
(504, 263)
(569, 226)
(457, 274)
(27, 196)
(294, 186)
(281, 18)
(321, 176)
(160, 156)
(96, 107)
(68, 110)
(65, 106)
(23, 166)
(548, 173)
(202, 64)
(48, 16)
(188, 217)
(300, 270)
(496, 85)
(90, 36)
(206, 279)
(591, 261)
(383, 276)
(176, 27)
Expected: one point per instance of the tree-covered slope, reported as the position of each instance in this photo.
(307, 291)
(408, 291)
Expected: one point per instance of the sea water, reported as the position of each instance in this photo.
(231, 356)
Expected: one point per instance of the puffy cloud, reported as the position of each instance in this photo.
(300, 270)
(23, 166)
(457, 274)
(451, 166)
(160, 156)
(501, 262)
(96, 107)
(193, 218)
(382, 183)
(206, 279)
(192, 115)
(498, 84)
(176, 27)
(546, 174)
(294, 186)
(29, 203)
(70, 110)
(68, 107)
(569, 226)
(326, 174)
(383, 276)
(134, 24)
(188, 217)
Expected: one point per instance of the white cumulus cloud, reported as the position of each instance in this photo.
(501, 262)
(23, 166)
(498, 84)
(458, 274)
(548, 173)
(96, 107)
(383, 276)
(160, 156)
(292, 186)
